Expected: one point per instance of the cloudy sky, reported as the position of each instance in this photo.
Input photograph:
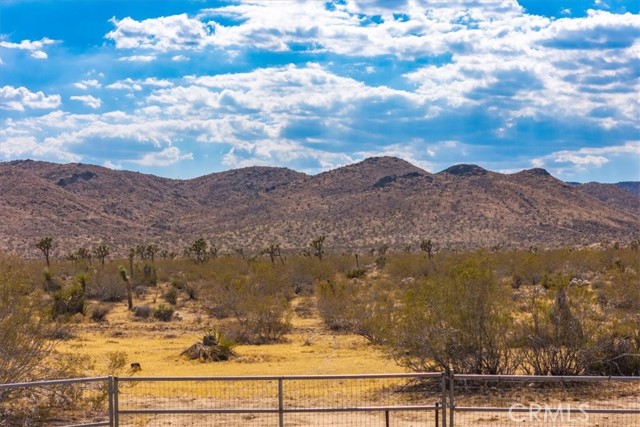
(182, 88)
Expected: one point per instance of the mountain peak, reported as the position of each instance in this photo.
(465, 170)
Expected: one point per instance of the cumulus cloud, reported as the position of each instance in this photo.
(111, 165)
(86, 84)
(137, 85)
(163, 34)
(166, 157)
(588, 156)
(21, 98)
(35, 48)
(88, 100)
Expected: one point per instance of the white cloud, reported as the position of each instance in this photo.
(88, 100)
(109, 164)
(34, 47)
(137, 85)
(86, 84)
(179, 58)
(39, 54)
(20, 146)
(137, 58)
(497, 52)
(12, 98)
(166, 157)
(586, 157)
(163, 34)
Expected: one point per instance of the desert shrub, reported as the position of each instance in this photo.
(215, 347)
(356, 273)
(171, 296)
(192, 290)
(260, 306)
(617, 353)
(356, 306)
(178, 282)
(335, 300)
(106, 285)
(69, 300)
(25, 330)
(561, 336)
(458, 320)
(51, 284)
(163, 312)
(145, 275)
(622, 289)
(405, 265)
(99, 312)
(142, 311)
(264, 319)
(141, 291)
(303, 272)
(116, 361)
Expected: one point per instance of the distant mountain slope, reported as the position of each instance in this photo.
(613, 194)
(630, 186)
(377, 201)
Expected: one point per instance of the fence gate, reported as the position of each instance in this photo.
(399, 400)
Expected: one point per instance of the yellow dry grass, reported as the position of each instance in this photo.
(310, 349)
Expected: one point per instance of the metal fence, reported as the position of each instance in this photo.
(79, 402)
(427, 399)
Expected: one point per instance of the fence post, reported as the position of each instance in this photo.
(280, 403)
(110, 400)
(116, 404)
(444, 399)
(437, 417)
(452, 404)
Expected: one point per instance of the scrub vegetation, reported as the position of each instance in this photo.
(548, 312)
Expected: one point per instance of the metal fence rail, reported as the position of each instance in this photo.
(79, 402)
(363, 400)
(521, 400)
(399, 400)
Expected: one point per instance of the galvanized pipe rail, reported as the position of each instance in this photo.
(445, 408)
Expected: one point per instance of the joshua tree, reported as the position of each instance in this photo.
(427, 246)
(197, 251)
(84, 254)
(127, 280)
(213, 252)
(101, 252)
(141, 251)
(274, 251)
(317, 244)
(132, 254)
(45, 246)
(151, 251)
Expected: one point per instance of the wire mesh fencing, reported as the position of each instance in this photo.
(501, 401)
(399, 400)
(343, 400)
(71, 402)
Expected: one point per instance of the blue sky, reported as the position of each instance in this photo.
(183, 88)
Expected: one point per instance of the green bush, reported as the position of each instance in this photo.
(356, 273)
(69, 300)
(171, 296)
(163, 312)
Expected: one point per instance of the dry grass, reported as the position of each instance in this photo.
(310, 349)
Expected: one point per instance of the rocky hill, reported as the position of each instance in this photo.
(378, 201)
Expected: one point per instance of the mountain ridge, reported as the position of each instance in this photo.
(381, 200)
